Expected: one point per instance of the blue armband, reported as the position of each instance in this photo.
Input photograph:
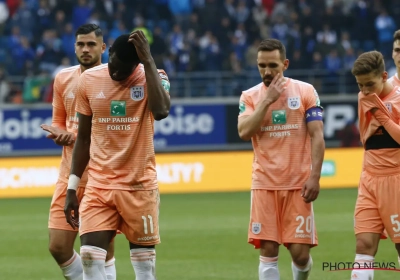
(314, 114)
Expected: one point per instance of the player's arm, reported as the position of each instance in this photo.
(80, 153)
(316, 131)
(57, 130)
(158, 98)
(250, 124)
(391, 127)
(373, 103)
(59, 118)
(80, 159)
(315, 128)
(311, 188)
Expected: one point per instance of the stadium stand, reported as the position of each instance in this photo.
(208, 47)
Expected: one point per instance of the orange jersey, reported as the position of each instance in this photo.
(382, 152)
(394, 80)
(122, 149)
(64, 115)
(282, 145)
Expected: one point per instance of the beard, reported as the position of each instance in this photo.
(267, 80)
(86, 63)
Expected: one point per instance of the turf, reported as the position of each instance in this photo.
(203, 237)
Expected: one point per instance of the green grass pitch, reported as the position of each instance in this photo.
(204, 236)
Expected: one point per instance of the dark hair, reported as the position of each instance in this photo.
(89, 28)
(270, 45)
(396, 36)
(369, 62)
(124, 50)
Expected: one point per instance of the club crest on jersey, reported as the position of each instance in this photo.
(137, 93)
(389, 106)
(294, 102)
(256, 228)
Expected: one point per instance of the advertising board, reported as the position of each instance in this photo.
(179, 172)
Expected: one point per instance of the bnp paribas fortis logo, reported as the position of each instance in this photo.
(279, 117)
(118, 108)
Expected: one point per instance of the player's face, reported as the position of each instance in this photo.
(269, 64)
(118, 70)
(396, 53)
(88, 49)
(371, 83)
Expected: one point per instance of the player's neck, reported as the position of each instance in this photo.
(398, 73)
(387, 89)
(84, 68)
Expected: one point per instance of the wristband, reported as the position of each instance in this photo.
(73, 182)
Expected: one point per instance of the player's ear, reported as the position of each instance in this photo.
(103, 48)
(385, 76)
(285, 64)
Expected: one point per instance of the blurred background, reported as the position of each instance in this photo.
(208, 49)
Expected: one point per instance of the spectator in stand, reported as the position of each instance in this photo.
(179, 32)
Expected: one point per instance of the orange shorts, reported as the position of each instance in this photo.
(57, 218)
(378, 205)
(134, 213)
(281, 216)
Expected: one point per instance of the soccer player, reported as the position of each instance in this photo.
(396, 58)
(395, 81)
(283, 118)
(117, 105)
(88, 48)
(379, 118)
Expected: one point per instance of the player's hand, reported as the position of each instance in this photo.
(139, 40)
(71, 209)
(60, 136)
(276, 88)
(310, 190)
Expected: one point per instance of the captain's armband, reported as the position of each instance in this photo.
(314, 114)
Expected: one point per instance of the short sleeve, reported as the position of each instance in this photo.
(59, 117)
(311, 98)
(312, 105)
(82, 102)
(246, 106)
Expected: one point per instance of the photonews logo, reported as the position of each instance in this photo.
(328, 168)
(355, 266)
(118, 108)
